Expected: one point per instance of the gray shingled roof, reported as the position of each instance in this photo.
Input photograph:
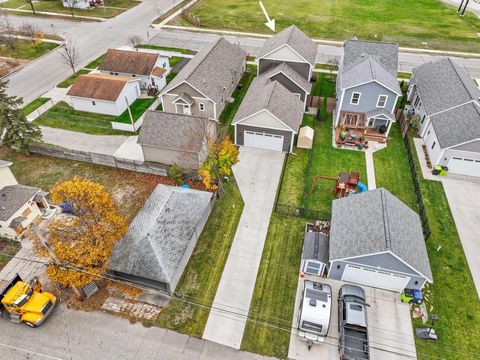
(376, 221)
(315, 246)
(458, 125)
(443, 84)
(211, 69)
(187, 99)
(377, 112)
(172, 131)
(160, 234)
(292, 74)
(385, 53)
(274, 97)
(296, 39)
(4, 163)
(13, 197)
(366, 70)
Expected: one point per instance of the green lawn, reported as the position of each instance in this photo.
(392, 171)
(408, 22)
(174, 60)
(170, 76)
(25, 49)
(137, 109)
(325, 85)
(170, 12)
(63, 116)
(200, 279)
(112, 7)
(404, 75)
(34, 105)
(453, 293)
(273, 299)
(70, 80)
(95, 63)
(8, 247)
(230, 110)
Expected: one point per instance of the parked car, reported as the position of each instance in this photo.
(315, 311)
(352, 323)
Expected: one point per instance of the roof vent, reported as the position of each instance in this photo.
(313, 302)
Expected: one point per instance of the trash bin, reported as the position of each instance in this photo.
(436, 170)
(444, 171)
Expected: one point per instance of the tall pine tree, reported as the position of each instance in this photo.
(15, 130)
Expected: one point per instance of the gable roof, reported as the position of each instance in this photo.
(13, 197)
(211, 69)
(99, 86)
(288, 71)
(379, 112)
(296, 39)
(367, 70)
(158, 237)
(384, 53)
(458, 125)
(131, 62)
(374, 222)
(264, 94)
(443, 84)
(315, 246)
(172, 131)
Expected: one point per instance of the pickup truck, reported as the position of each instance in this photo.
(352, 323)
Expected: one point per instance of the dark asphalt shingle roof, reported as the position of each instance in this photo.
(160, 234)
(458, 125)
(376, 221)
(172, 131)
(211, 69)
(384, 53)
(296, 39)
(443, 84)
(264, 94)
(292, 74)
(315, 246)
(13, 197)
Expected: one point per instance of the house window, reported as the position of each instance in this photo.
(116, 73)
(371, 122)
(26, 212)
(93, 103)
(417, 99)
(433, 145)
(201, 106)
(111, 72)
(355, 98)
(133, 75)
(382, 101)
(164, 65)
(423, 117)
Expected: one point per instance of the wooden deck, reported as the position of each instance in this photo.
(359, 137)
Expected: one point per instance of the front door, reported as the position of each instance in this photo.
(187, 110)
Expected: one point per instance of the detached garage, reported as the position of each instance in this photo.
(269, 116)
(376, 240)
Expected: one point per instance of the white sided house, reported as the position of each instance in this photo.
(290, 46)
(104, 94)
(150, 68)
(446, 100)
(269, 116)
(206, 83)
(367, 88)
(81, 4)
(20, 205)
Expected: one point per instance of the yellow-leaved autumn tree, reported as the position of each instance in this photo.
(222, 155)
(85, 239)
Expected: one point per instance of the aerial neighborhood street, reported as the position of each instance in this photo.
(201, 179)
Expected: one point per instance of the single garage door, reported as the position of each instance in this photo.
(263, 140)
(375, 278)
(464, 166)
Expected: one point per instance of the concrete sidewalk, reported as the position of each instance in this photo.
(257, 175)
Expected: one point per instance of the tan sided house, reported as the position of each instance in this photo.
(206, 83)
(104, 94)
(20, 205)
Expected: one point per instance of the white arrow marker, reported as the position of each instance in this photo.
(269, 23)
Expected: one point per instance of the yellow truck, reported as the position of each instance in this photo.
(25, 302)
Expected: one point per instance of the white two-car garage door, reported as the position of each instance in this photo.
(464, 166)
(375, 278)
(263, 140)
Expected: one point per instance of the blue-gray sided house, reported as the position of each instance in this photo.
(367, 88)
(161, 238)
(377, 240)
(446, 100)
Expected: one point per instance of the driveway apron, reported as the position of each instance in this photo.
(257, 175)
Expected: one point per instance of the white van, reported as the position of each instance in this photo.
(315, 311)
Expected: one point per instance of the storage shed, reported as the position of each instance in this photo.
(305, 137)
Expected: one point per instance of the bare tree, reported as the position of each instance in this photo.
(134, 41)
(70, 54)
(31, 32)
(8, 36)
(72, 4)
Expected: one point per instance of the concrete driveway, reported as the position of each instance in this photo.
(389, 327)
(463, 194)
(257, 175)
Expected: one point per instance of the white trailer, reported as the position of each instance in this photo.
(315, 311)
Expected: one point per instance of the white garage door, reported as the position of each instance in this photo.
(375, 278)
(263, 140)
(464, 166)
